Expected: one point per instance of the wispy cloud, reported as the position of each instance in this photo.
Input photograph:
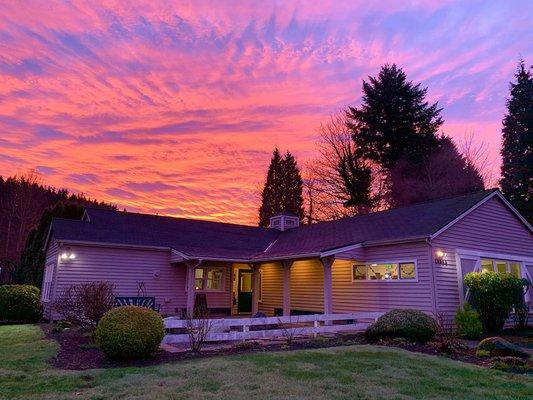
(174, 109)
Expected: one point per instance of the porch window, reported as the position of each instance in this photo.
(260, 288)
(208, 279)
(501, 266)
(392, 271)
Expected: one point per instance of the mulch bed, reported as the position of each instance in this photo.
(79, 352)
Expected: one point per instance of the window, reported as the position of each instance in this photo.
(47, 282)
(382, 271)
(208, 278)
(392, 271)
(407, 270)
(501, 266)
(214, 279)
(359, 272)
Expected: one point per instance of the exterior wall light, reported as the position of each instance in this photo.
(440, 257)
(67, 255)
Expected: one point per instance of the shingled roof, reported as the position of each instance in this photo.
(216, 240)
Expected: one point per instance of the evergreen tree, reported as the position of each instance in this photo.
(517, 148)
(395, 122)
(293, 202)
(283, 189)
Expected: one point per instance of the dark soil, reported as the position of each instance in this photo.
(79, 352)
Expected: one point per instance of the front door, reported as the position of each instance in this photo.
(244, 292)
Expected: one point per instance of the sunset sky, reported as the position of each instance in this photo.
(175, 107)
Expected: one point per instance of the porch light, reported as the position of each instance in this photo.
(68, 255)
(439, 254)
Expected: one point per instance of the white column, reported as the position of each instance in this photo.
(327, 262)
(286, 287)
(191, 293)
(255, 287)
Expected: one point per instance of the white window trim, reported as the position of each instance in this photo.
(205, 268)
(387, 281)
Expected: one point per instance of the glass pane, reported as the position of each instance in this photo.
(260, 288)
(407, 271)
(501, 266)
(383, 271)
(515, 270)
(486, 265)
(359, 272)
(199, 279)
(214, 279)
(246, 282)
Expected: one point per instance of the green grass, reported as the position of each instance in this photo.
(355, 372)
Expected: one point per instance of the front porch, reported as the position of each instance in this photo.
(233, 289)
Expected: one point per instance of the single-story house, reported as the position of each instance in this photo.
(408, 257)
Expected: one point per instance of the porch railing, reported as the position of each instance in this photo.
(230, 329)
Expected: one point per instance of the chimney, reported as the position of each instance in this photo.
(284, 221)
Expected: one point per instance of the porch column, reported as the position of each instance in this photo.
(286, 287)
(255, 287)
(327, 262)
(191, 293)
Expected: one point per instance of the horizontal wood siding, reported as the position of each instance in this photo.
(126, 268)
(351, 296)
(307, 285)
(272, 285)
(493, 228)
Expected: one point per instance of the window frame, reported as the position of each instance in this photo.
(397, 262)
(47, 282)
(260, 286)
(204, 280)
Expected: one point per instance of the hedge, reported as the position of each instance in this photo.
(20, 303)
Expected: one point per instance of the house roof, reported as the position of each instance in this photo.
(216, 240)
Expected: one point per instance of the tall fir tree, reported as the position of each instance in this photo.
(283, 189)
(394, 122)
(517, 148)
(396, 128)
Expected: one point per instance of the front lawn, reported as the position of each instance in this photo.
(353, 372)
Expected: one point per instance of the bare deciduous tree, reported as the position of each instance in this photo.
(198, 326)
(338, 183)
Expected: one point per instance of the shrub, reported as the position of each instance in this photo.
(412, 325)
(482, 353)
(20, 303)
(497, 346)
(85, 304)
(512, 364)
(129, 332)
(468, 323)
(493, 296)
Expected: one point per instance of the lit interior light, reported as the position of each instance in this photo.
(439, 254)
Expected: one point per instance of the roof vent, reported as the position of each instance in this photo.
(283, 222)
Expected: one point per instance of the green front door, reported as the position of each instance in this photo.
(244, 293)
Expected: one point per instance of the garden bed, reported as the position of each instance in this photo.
(79, 352)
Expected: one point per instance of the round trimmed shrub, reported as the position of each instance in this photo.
(20, 303)
(412, 325)
(129, 332)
